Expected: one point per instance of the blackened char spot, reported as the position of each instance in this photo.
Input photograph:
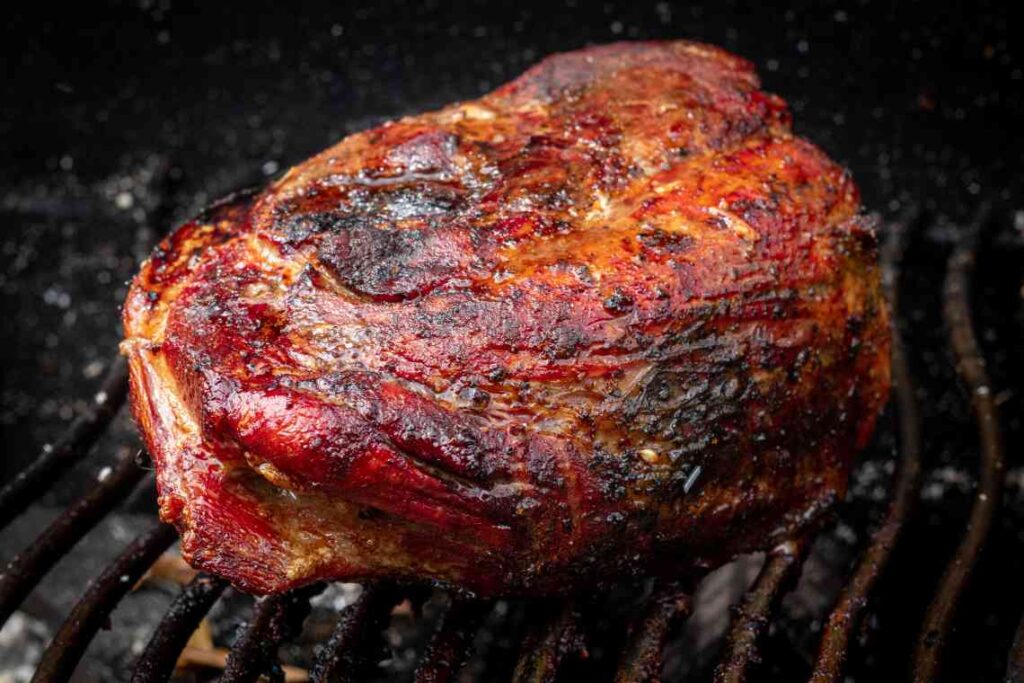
(618, 302)
(666, 242)
(390, 264)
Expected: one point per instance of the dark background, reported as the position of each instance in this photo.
(138, 114)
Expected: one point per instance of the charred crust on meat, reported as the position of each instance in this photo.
(612, 319)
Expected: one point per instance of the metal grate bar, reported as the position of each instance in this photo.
(55, 459)
(781, 568)
(29, 567)
(156, 664)
(343, 658)
(67, 647)
(546, 645)
(835, 643)
(275, 619)
(971, 366)
(641, 660)
(449, 647)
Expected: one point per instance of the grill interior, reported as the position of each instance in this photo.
(559, 640)
(104, 146)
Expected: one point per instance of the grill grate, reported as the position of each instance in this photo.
(182, 618)
(276, 619)
(835, 642)
(343, 657)
(345, 654)
(56, 459)
(971, 366)
(781, 568)
(100, 599)
(547, 644)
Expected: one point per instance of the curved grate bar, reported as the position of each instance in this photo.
(37, 478)
(781, 569)
(67, 647)
(29, 567)
(449, 647)
(641, 660)
(546, 645)
(852, 600)
(343, 658)
(157, 662)
(971, 366)
(275, 619)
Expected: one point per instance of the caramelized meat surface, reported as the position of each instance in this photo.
(610, 319)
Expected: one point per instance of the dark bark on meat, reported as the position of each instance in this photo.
(611, 319)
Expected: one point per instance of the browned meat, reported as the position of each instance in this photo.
(611, 319)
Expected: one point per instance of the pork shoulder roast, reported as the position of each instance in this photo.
(612, 319)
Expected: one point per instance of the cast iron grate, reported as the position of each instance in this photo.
(346, 654)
